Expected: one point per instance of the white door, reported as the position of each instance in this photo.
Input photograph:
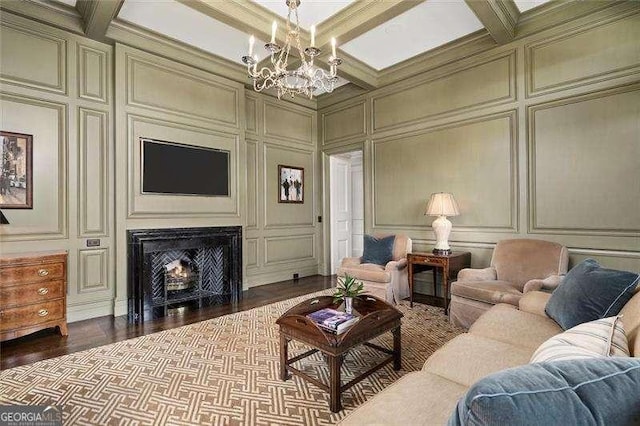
(340, 210)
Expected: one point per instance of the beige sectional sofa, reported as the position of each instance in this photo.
(503, 337)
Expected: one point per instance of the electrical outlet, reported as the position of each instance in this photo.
(93, 242)
(296, 276)
(319, 219)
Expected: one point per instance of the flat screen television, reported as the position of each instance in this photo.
(174, 168)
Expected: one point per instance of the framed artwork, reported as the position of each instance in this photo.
(16, 173)
(291, 184)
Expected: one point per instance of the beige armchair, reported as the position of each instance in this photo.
(517, 267)
(389, 282)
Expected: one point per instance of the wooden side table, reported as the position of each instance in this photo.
(450, 265)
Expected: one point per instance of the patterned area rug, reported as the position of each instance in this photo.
(222, 371)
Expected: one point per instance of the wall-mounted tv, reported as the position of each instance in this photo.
(174, 168)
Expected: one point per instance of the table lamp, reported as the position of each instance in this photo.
(3, 219)
(442, 204)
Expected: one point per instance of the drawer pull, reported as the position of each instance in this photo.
(43, 313)
(43, 272)
(42, 291)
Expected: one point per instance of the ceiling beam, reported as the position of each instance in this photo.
(499, 17)
(252, 18)
(97, 15)
(358, 18)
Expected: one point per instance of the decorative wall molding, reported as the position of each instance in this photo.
(301, 247)
(289, 123)
(252, 255)
(93, 177)
(513, 207)
(155, 206)
(352, 120)
(608, 68)
(224, 102)
(102, 65)
(251, 114)
(32, 231)
(93, 270)
(309, 189)
(252, 184)
(43, 66)
(534, 226)
(408, 103)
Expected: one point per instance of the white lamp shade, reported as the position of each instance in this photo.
(442, 204)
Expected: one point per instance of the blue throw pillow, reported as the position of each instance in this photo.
(590, 292)
(378, 250)
(576, 392)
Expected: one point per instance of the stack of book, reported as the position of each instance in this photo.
(332, 320)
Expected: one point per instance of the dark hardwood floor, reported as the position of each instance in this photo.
(105, 330)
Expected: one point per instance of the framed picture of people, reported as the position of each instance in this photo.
(16, 189)
(291, 184)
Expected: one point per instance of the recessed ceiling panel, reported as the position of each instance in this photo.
(421, 28)
(524, 5)
(310, 12)
(189, 26)
(71, 3)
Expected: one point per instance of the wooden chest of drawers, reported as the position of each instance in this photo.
(32, 293)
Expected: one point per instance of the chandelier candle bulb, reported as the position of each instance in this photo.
(252, 40)
(313, 36)
(255, 64)
(333, 47)
(274, 28)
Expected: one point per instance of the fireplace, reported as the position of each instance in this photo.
(175, 270)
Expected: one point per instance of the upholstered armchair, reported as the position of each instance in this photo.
(517, 267)
(389, 282)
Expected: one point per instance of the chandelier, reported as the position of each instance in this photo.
(303, 80)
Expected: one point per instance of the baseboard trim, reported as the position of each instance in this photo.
(89, 310)
(274, 277)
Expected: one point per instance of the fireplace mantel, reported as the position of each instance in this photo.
(215, 252)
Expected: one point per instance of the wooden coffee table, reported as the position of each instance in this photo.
(377, 317)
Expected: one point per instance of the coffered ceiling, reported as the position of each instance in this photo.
(379, 41)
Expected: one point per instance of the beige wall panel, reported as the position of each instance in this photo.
(93, 179)
(93, 270)
(597, 54)
(32, 59)
(252, 184)
(93, 69)
(620, 260)
(473, 160)
(479, 86)
(157, 86)
(586, 164)
(287, 214)
(251, 114)
(289, 249)
(251, 255)
(46, 122)
(344, 123)
(287, 122)
(155, 205)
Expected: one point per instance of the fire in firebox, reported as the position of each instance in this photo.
(180, 275)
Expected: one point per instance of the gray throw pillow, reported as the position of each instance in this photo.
(378, 250)
(577, 392)
(590, 292)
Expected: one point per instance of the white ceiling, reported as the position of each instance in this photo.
(189, 26)
(424, 27)
(524, 5)
(421, 28)
(310, 12)
(71, 3)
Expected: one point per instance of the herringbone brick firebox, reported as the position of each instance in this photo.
(174, 270)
